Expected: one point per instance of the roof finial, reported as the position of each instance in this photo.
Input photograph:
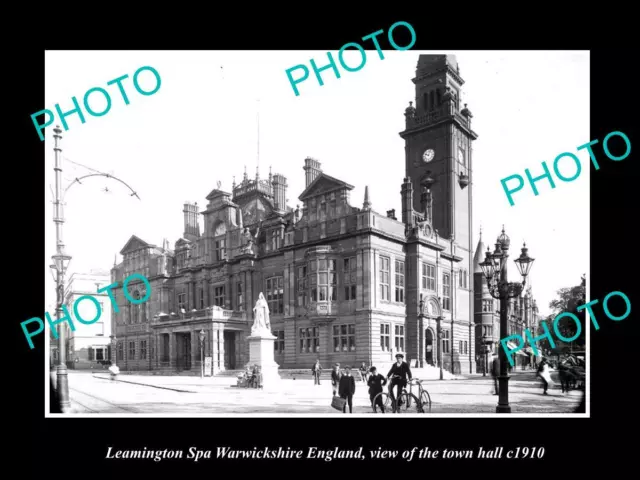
(367, 203)
(480, 239)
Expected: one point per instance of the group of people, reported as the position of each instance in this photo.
(344, 384)
(252, 377)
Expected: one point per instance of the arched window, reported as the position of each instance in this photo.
(439, 95)
(433, 100)
(425, 102)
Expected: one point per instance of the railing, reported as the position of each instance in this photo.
(252, 186)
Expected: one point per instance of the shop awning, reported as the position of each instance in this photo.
(513, 346)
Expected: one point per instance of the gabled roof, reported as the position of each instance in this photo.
(134, 243)
(323, 184)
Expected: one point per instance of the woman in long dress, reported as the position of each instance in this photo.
(261, 315)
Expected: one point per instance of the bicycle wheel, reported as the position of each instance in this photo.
(385, 400)
(425, 398)
(410, 404)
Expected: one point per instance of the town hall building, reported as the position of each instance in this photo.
(343, 282)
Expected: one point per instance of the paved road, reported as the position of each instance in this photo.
(95, 393)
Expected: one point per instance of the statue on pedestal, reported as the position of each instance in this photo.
(261, 323)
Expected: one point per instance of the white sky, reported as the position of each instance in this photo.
(200, 128)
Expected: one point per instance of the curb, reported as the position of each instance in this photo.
(145, 385)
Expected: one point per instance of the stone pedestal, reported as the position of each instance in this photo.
(261, 353)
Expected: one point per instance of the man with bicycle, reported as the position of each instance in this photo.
(399, 374)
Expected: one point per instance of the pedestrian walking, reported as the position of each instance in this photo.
(363, 372)
(347, 389)
(316, 370)
(545, 374)
(495, 372)
(376, 382)
(335, 378)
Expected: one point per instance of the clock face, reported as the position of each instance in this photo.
(428, 155)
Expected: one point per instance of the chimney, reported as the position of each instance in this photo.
(279, 184)
(191, 224)
(407, 202)
(312, 170)
(391, 214)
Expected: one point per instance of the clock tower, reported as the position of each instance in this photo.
(438, 151)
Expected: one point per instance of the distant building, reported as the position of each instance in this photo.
(522, 313)
(343, 282)
(88, 346)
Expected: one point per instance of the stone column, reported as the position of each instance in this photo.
(157, 350)
(173, 350)
(195, 350)
(228, 292)
(325, 346)
(221, 346)
(214, 348)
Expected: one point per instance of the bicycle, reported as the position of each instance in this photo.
(407, 401)
(423, 396)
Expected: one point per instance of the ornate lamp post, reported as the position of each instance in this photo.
(494, 268)
(202, 335)
(439, 330)
(61, 263)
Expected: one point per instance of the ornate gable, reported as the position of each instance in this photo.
(134, 243)
(323, 184)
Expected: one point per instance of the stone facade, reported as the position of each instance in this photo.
(343, 283)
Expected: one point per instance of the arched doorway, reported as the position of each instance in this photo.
(429, 348)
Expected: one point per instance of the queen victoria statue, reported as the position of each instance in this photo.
(261, 323)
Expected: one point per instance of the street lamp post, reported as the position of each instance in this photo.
(61, 263)
(202, 335)
(494, 268)
(439, 331)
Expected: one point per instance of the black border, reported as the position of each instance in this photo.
(78, 446)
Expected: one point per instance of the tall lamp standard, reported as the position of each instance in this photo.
(494, 268)
(439, 332)
(61, 263)
(202, 335)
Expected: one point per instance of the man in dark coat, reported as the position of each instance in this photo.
(400, 371)
(495, 372)
(335, 378)
(376, 382)
(347, 389)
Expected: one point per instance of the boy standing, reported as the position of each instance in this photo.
(376, 382)
(347, 388)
